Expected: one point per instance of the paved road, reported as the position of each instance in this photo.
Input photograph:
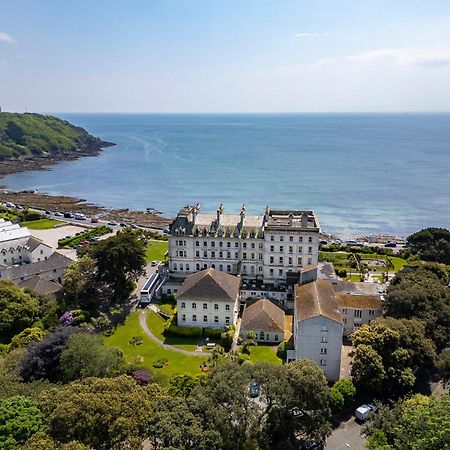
(145, 328)
(346, 436)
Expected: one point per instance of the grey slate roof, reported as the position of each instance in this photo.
(210, 284)
(54, 262)
(41, 285)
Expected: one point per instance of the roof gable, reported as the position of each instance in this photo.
(263, 315)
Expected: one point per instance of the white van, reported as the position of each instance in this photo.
(362, 413)
(80, 216)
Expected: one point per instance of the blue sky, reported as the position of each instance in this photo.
(225, 56)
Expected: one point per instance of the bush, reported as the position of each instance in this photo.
(160, 363)
(212, 333)
(226, 338)
(336, 400)
(142, 377)
(74, 240)
(135, 340)
(347, 389)
(171, 329)
(341, 273)
(282, 350)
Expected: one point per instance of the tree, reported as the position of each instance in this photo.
(18, 310)
(119, 259)
(79, 284)
(417, 423)
(422, 295)
(347, 389)
(42, 441)
(86, 356)
(102, 413)
(336, 401)
(41, 360)
(181, 385)
(368, 372)
(443, 364)
(432, 244)
(26, 337)
(19, 419)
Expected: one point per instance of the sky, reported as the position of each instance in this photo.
(225, 56)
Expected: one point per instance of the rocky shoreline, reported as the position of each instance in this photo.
(63, 203)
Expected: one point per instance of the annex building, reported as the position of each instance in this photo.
(271, 248)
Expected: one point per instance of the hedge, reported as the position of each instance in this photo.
(94, 232)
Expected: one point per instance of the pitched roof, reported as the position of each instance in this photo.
(41, 285)
(54, 262)
(210, 284)
(263, 315)
(34, 243)
(358, 301)
(316, 299)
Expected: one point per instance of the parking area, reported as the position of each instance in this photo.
(51, 236)
(346, 436)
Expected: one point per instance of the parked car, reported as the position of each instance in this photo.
(323, 242)
(58, 214)
(68, 215)
(352, 243)
(10, 205)
(94, 219)
(390, 245)
(155, 263)
(79, 216)
(112, 223)
(123, 224)
(362, 412)
(254, 389)
(19, 206)
(133, 225)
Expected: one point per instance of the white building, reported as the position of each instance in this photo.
(318, 327)
(208, 299)
(271, 247)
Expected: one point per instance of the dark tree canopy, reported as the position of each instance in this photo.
(422, 295)
(432, 244)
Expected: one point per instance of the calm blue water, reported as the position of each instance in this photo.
(362, 172)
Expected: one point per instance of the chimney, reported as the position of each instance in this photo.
(304, 223)
(242, 214)
(291, 219)
(219, 213)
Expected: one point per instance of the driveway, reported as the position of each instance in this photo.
(346, 436)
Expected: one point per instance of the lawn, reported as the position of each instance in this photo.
(41, 224)
(156, 325)
(150, 351)
(156, 250)
(264, 353)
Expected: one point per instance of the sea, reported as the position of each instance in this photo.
(362, 173)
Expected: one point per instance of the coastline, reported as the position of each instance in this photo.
(43, 201)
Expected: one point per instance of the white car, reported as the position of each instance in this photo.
(362, 412)
(10, 205)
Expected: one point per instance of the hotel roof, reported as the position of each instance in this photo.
(316, 299)
(263, 315)
(210, 284)
(357, 301)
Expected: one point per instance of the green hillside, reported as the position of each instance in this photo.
(28, 135)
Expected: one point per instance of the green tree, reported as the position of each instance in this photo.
(443, 364)
(336, 400)
(432, 244)
(80, 287)
(19, 419)
(120, 260)
(26, 337)
(18, 310)
(86, 356)
(420, 294)
(181, 385)
(347, 390)
(102, 413)
(367, 369)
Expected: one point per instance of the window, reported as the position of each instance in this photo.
(261, 335)
(205, 318)
(281, 260)
(309, 250)
(236, 245)
(272, 248)
(228, 268)
(244, 245)
(227, 307)
(300, 249)
(244, 255)
(271, 272)
(205, 305)
(213, 266)
(194, 318)
(197, 267)
(291, 249)
(371, 312)
(197, 254)
(272, 238)
(220, 254)
(220, 244)
(300, 239)
(228, 244)
(280, 272)
(290, 261)
(310, 239)
(291, 238)
(197, 243)
(344, 311)
(228, 255)
(205, 254)
(216, 319)
(205, 243)
(299, 261)
(42, 252)
(357, 325)
(323, 351)
(213, 254)
(213, 244)
(358, 313)
(324, 328)
(183, 317)
(281, 238)
(309, 260)
(181, 267)
(324, 339)
(216, 307)
(236, 255)
(276, 338)
(227, 320)
(344, 320)
(187, 267)
(194, 305)
(221, 267)
(323, 362)
(183, 305)
(175, 266)
(281, 248)
(253, 245)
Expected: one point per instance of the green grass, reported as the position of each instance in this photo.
(151, 351)
(41, 224)
(156, 250)
(156, 325)
(264, 353)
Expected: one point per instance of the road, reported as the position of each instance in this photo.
(346, 436)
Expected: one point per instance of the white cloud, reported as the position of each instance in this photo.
(310, 35)
(5, 37)
(419, 56)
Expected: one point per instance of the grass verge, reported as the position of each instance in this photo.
(156, 250)
(265, 353)
(41, 224)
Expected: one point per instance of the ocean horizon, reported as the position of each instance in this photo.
(361, 172)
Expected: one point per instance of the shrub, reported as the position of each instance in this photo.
(212, 333)
(171, 329)
(336, 400)
(135, 340)
(347, 389)
(282, 350)
(160, 363)
(142, 377)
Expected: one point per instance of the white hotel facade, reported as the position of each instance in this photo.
(271, 247)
